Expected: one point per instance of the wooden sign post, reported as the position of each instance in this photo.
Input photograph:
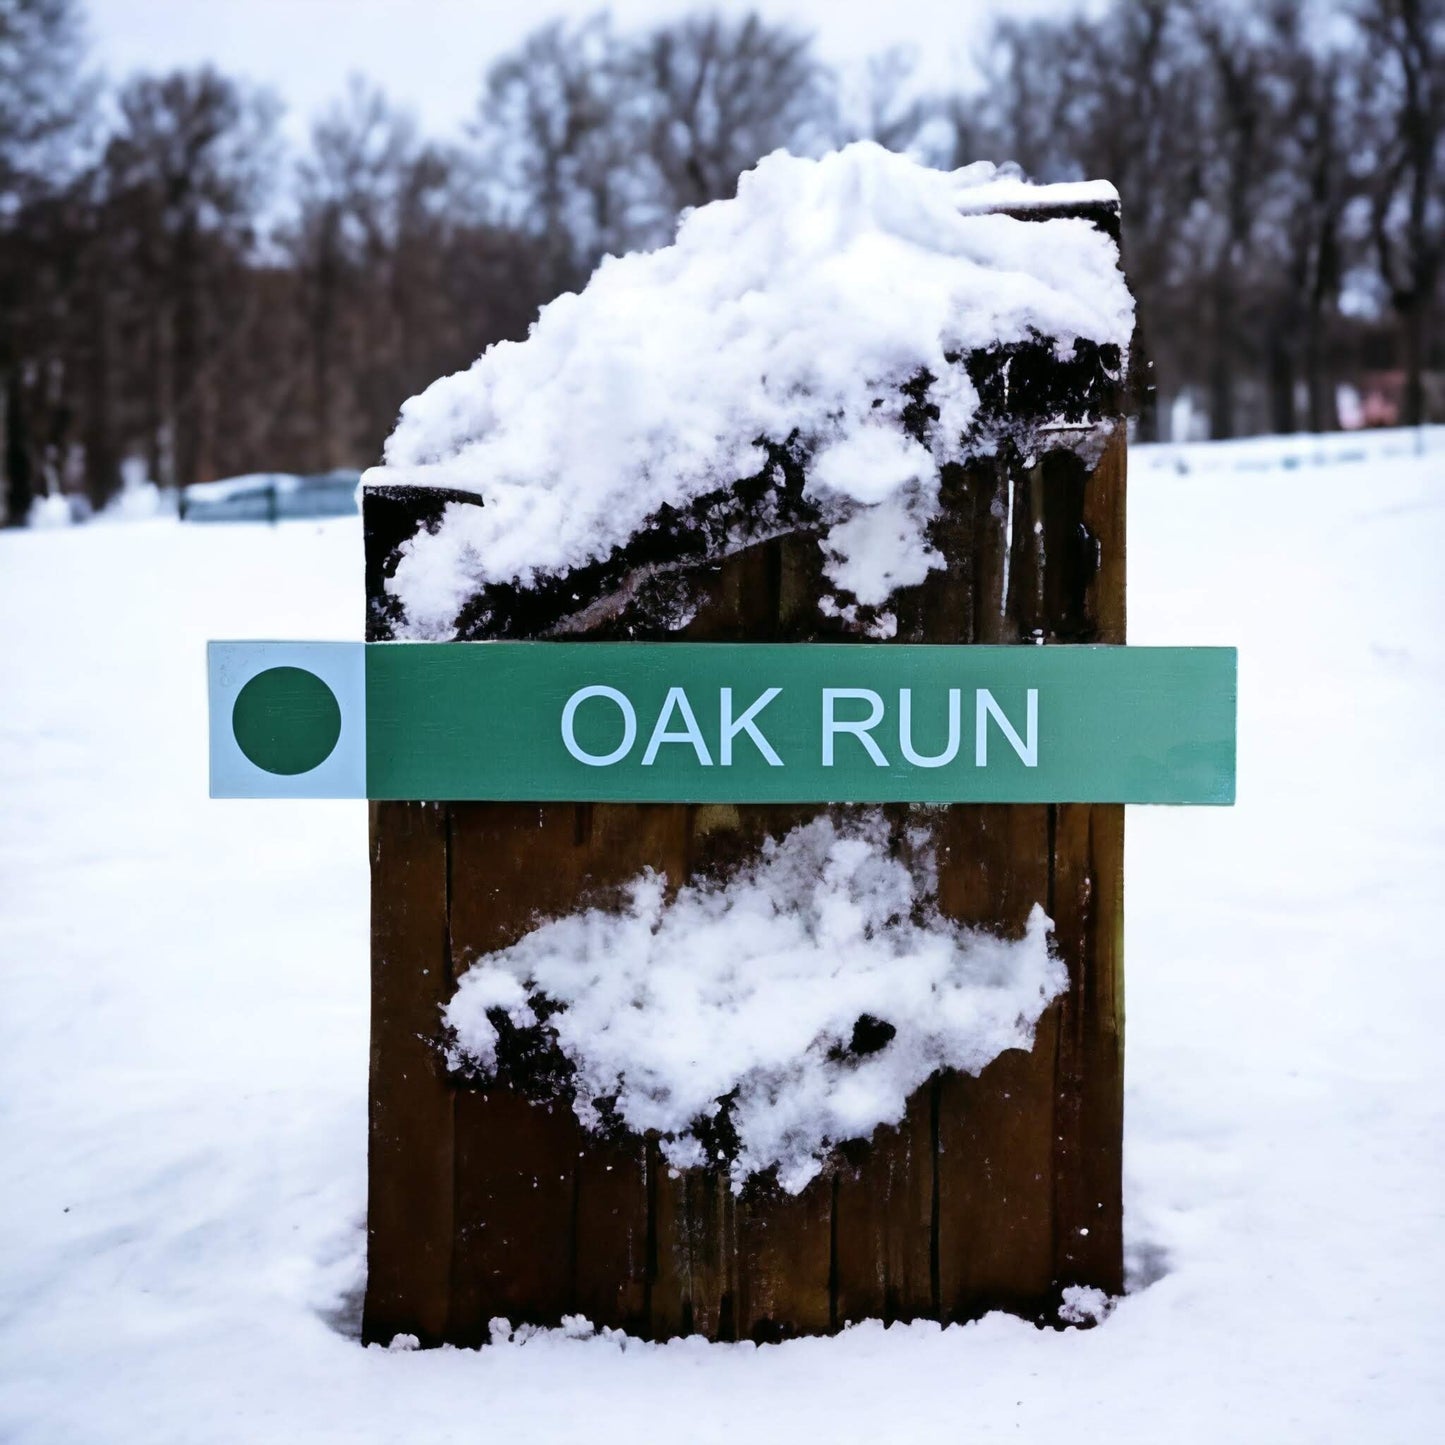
(997, 1191)
(557, 769)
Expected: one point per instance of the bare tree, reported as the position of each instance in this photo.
(594, 142)
(713, 96)
(553, 147)
(1405, 42)
(1314, 122)
(45, 101)
(1115, 97)
(884, 102)
(1239, 118)
(403, 274)
(187, 172)
(350, 184)
(45, 113)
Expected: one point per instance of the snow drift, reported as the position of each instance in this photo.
(791, 315)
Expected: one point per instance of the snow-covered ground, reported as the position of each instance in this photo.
(183, 1029)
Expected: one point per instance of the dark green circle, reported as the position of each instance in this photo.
(286, 720)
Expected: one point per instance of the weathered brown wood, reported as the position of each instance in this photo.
(995, 1184)
(1090, 1091)
(756, 1266)
(697, 1224)
(410, 1150)
(784, 1249)
(550, 1220)
(611, 1235)
(1029, 1154)
(1089, 919)
(994, 1191)
(883, 1242)
(670, 1289)
(1105, 517)
(712, 1247)
(514, 1192)
(994, 1133)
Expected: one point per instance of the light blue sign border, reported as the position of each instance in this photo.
(341, 666)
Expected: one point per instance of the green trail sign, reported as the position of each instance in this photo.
(722, 722)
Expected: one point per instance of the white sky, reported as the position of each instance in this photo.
(430, 54)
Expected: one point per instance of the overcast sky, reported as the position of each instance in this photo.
(430, 54)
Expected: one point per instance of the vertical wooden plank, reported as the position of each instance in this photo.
(994, 1135)
(612, 1234)
(515, 1201)
(944, 607)
(520, 1167)
(886, 1228)
(697, 1221)
(410, 1147)
(1089, 919)
(1090, 903)
(724, 1266)
(994, 494)
(996, 1183)
(728, 1266)
(669, 1275)
(511, 865)
(1088, 1161)
(1105, 517)
(784, 1250)
(883, 1222)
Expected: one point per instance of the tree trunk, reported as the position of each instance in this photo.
(160, 399)
(1223, 361)
(324, 449)
(102, 465)
(1323, 411)
(1281, 385)
(1412, 326)
(19, 465)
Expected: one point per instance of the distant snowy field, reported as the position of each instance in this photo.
(183, 1046)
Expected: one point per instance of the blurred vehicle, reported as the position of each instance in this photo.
(270, 497)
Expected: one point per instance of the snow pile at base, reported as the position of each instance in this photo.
(814, 992)
(794, 311)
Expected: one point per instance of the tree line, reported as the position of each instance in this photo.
(182, 293)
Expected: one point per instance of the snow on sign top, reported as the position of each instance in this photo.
(797, 308)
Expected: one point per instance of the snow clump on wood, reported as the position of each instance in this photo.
(763, 1020)
(788, 316)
